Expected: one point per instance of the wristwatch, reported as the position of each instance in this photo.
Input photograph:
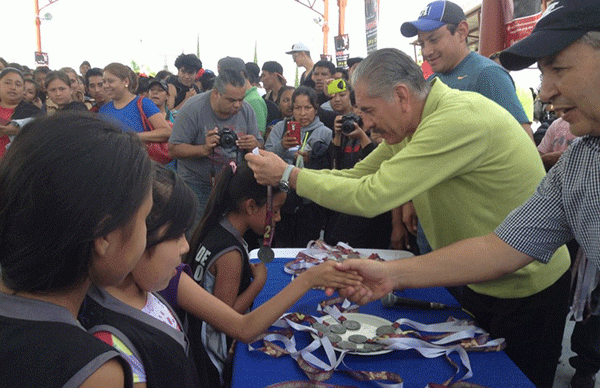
(284, 183)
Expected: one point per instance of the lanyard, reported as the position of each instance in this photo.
(265, 253)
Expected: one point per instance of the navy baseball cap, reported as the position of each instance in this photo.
(563, 22)
(434, 16)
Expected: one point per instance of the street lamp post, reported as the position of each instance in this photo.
(38, 21)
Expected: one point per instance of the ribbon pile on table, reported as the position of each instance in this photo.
(453, 336)
(318, 252)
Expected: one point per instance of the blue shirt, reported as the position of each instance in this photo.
(479, 74)
(129, 117)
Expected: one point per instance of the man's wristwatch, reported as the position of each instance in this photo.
(284, 183)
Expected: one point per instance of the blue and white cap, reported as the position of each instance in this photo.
(434, 16)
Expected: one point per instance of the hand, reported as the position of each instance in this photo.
(259, 272)
(409, 217)
(327, 274)
(212, 140)
(288, 141)
(9, 130)
(399, 237)
(358, 133)
(268, 167)
(376, 280)
(191, 92)
(247, 142)
(305, 155)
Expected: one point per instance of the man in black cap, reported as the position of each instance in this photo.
(442, 32)
(272, 79)
(566, 45)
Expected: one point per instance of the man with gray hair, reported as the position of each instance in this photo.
(203, 124)
(466, 163)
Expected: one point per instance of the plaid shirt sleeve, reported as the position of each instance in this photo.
(539, 226)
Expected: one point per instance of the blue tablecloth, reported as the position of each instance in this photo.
(256, 369)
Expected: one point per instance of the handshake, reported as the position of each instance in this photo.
(359, 280)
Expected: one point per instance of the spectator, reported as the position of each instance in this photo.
(272, 79)
(321, 73)
(76, 90)
(159, 94)
(284, 101)
(120, 84)
(58, 87)
(32, 91)
(84, 67)
(143, 86)
(464, 161)
(39, 75)
(252, 97)
(301, 56)
(182, 87)
(94, 84)
(71, 216)
(349, 145)
(163, 75)
(302, 221)
(13, 108)
(206, 80)
(353, 64)
(198, 131)
(555, 142)
(442, 32)
(340, 73)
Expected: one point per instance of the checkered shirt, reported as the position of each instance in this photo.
(566, 204)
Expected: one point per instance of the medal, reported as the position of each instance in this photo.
(265, 253)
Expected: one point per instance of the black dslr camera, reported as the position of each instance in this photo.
(228, 138)
(348, 121)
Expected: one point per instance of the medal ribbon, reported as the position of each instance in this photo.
(269, 224)
(454, 335)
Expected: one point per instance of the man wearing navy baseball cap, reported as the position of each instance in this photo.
(566, 45)
(442, 32)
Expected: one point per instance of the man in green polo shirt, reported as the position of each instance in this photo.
(466, 163)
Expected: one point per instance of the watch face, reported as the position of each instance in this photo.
(284, 186)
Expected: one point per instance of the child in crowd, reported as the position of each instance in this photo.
(32, 90)
(148, 330)
(58, 88)
(57, 238)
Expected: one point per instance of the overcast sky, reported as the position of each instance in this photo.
(153, 33)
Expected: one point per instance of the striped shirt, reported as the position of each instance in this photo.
(565, 205)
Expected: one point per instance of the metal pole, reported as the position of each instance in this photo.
(38, 22)
(325, 26)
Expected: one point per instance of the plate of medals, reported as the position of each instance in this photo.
(357, 333)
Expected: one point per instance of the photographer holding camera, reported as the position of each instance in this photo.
(212, 129)
(351, 144)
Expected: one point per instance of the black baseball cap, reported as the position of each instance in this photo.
(156, 81)
(353, 61)
(434, 16)
(563, 22)
(274, 67)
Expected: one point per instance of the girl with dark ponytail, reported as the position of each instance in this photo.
(219, 254)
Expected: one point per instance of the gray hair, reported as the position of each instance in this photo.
(385, 68)
(228, 77)
(591, 38)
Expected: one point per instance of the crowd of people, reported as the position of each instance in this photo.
(373, 154)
